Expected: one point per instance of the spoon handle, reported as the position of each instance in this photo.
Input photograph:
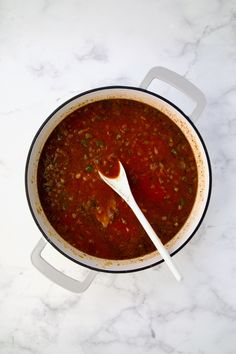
(121, 186)
(153, 236)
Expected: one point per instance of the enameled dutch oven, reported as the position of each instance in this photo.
(174, 113)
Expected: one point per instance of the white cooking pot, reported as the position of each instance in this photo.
(204, 178)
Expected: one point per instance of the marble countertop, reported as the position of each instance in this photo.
(51, 50)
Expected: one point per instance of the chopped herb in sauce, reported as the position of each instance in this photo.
(84, 142)
(174, 151)
(89, 168)
(88, 136)
(100, 143)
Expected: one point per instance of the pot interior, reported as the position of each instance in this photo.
(198, 148)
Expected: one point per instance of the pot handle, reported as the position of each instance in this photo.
(55, 275)
(180, 83)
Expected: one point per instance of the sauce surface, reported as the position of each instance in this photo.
(159, 163)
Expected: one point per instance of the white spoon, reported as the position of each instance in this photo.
(121, 186)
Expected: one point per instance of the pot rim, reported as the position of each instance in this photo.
(127, 88)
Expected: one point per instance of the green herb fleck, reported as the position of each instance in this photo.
(100, 143)
(88, 136)
(99, 118)
(64, 206)
(84, 142)
(174, 151)
(89, 168)
(94, 203)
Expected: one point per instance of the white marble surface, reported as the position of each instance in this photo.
(51, 50)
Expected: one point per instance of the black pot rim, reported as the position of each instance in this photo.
(111, 88)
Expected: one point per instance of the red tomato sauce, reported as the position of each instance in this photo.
(159, 163)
